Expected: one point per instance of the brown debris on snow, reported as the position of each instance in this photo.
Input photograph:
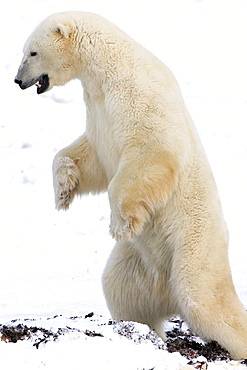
(178, 339)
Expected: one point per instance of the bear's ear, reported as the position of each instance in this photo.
(63, 30)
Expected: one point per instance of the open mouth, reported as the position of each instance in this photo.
(42, 84)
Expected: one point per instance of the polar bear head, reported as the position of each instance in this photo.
(50, 56)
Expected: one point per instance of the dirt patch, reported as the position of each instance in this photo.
(191, 346)
(22, 332)
(178, 339)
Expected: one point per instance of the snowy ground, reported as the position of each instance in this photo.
(51, 263)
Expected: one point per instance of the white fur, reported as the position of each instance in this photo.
(140, 144)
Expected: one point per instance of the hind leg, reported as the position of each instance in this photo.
(133, 292)
(208, 302)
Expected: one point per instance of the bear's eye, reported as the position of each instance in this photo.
(33, 53)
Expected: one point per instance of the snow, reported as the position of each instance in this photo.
(51, 262)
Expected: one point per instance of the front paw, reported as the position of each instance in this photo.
(120, 229)
(66, 177)
(127, 220)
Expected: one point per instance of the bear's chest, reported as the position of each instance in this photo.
(101, 133)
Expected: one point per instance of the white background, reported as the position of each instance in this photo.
(51, 262)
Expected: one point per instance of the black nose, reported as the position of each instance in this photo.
(19, 82)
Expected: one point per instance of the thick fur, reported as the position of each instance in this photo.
(141, 146)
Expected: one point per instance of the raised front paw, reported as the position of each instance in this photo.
(66, 177)
(120, 229)
(127, 219)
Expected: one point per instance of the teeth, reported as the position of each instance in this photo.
(38, 85)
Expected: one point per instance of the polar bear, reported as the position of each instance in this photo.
(141, 146)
